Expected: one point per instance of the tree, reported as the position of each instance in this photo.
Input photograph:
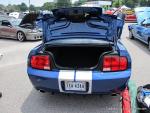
(80, 2)
(16, 8)
(23, 7)
(63, 3)
(12, 8)
(38, 8)
(48, 6)
(128, 3)
(2, 7)
(148, 2)
(144, 2)
(32, 8)
(116, 3)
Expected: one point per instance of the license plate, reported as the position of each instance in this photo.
(75, 86)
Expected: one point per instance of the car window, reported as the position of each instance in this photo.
(5, 23)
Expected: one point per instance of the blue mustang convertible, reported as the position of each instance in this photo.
(81, 53)
(141, 30)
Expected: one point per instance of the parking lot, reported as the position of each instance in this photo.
(19, 96)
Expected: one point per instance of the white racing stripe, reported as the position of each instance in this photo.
(85, 76)
(65, 75)
(72, 75)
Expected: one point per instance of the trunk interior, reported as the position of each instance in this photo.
(77, 57)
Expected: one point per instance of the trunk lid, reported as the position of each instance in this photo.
(80, 22)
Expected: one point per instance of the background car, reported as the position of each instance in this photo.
(130, 18)
(22, 30)
(141, 30)
(80, 54)
(130, 15)
(128, 12)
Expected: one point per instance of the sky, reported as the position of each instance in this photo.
(34, 2)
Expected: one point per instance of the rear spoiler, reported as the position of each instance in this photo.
(79, 41)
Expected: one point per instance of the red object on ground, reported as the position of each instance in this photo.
(126, 102)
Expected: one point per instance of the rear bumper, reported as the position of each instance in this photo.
(130, 20)
(98, 82)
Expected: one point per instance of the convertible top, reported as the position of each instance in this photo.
(77, 13)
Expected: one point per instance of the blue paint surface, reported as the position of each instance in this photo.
(141, 30)
(102, 82)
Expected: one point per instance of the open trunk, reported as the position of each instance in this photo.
(77, 57)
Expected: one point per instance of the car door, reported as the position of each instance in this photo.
(7, 30)
(143, 33)
(138, 32)
(134, 30)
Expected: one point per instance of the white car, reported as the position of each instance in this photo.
(22, 30)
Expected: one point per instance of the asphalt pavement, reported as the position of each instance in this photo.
(19, 96)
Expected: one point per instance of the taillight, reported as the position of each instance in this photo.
(40, 62)
(114, 63)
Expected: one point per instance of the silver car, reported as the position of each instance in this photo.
(22, 30)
